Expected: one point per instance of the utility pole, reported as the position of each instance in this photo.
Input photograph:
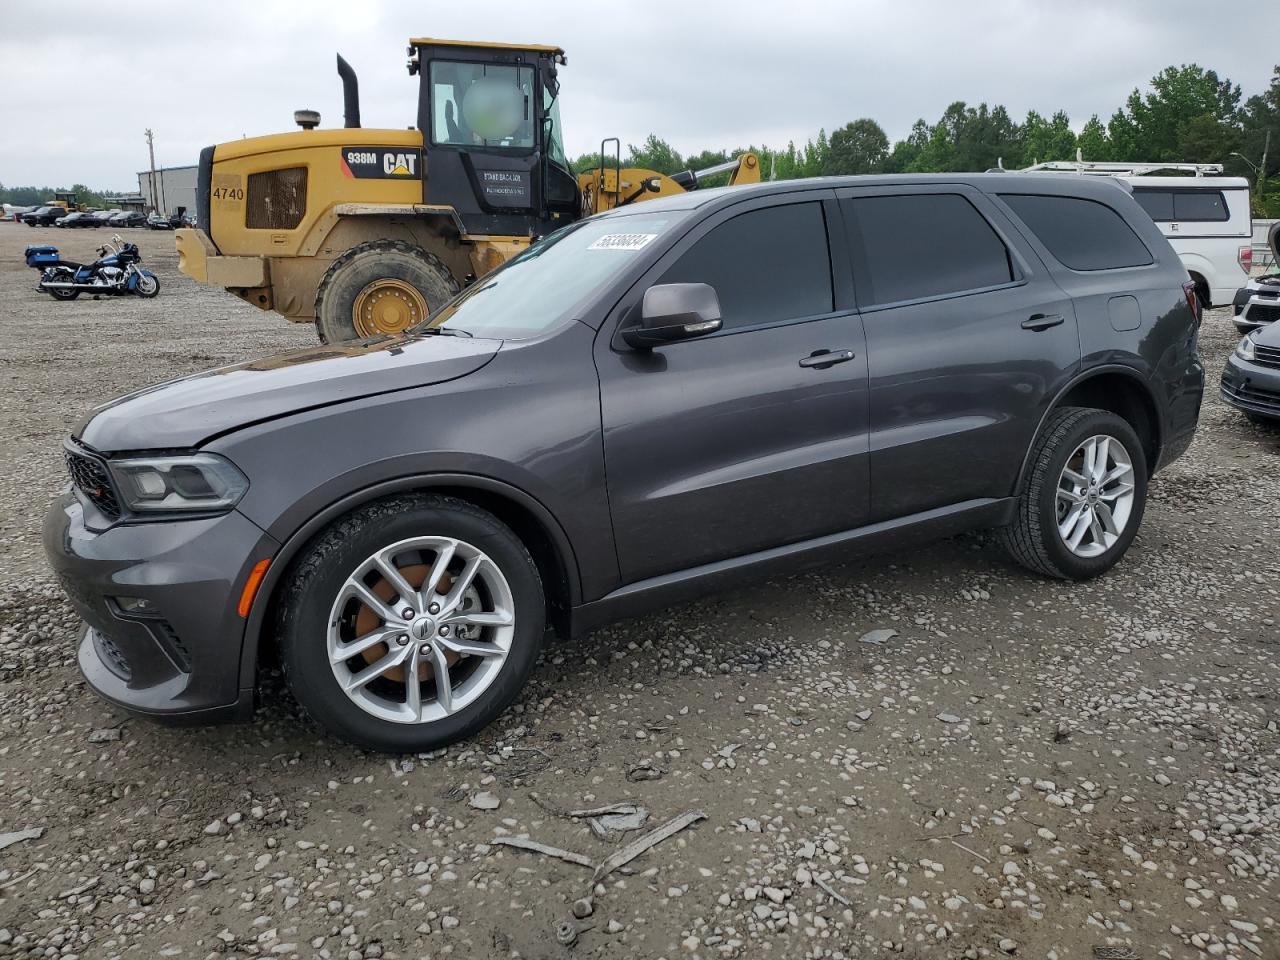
(1262, 171)
(151, 149)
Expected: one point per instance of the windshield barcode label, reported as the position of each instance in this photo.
(623, 241)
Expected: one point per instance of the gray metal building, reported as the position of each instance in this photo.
(174, 187)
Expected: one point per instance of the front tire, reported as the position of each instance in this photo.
(1083, 497)
(148, 285)
(380, 288)
(411, 623)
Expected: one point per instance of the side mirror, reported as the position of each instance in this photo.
(674, 311)
(652, 185)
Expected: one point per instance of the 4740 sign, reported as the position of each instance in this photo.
(382, 163)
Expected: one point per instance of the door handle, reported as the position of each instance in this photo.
(821, 359)
(1042, 321)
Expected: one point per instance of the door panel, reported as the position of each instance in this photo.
(726, 445)
(958, 383)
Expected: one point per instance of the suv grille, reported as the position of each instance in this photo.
(90, 477)
(1267, 356)
(276, 199)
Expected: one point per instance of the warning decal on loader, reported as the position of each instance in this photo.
(382, 163)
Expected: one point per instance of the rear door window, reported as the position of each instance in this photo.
(922, 245)
(1082, 234)
(766, 265)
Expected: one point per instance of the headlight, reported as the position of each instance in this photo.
(196, 482)
(1244, 349)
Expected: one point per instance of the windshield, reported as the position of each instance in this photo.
(543, 286)
(482, 105)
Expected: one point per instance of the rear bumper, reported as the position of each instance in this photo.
(179, 659)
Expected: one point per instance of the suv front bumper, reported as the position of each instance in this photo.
(180, 657)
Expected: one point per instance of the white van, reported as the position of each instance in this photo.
(1206, 217)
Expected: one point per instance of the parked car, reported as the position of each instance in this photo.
(129, 218)
(1257, 303)
(1251, 375)
(104, 216)
(43, 216)
(73, 220)
(159, 222)
(649, 404)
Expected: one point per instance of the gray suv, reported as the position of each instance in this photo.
(646, 405)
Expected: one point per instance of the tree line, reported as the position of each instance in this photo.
(1186, 114)
(31, 196)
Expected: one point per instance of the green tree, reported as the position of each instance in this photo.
(1153, 126)
(1260, 119)
(1047, 140)
(1093, 142)
(857, 148)
(655, 154)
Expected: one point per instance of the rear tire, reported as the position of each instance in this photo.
(64, 294)
(402, 709)
(1104, 515)
(396, 286)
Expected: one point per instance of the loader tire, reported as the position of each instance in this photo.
(380, 287)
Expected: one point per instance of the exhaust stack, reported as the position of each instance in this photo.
(350, 94)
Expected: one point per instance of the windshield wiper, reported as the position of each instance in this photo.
(445, 332)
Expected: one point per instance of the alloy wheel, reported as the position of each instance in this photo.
(1095, 496)
(420, 629)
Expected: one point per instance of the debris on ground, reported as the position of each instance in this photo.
(17, 836)
(878, 637)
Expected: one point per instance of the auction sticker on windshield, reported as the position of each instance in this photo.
(623, 241)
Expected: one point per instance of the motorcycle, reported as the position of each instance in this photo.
(114, 273)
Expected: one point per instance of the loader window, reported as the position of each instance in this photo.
(555, 133)
(482, 105)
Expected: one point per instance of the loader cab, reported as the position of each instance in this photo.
(490, 121)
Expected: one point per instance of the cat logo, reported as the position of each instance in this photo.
(381, 163)
(399, 164)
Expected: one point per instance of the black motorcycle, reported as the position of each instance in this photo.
(114, 273)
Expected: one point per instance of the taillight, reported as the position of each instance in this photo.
(1245, 257)
(1193, 301)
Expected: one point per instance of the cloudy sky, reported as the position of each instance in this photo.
(704, 74)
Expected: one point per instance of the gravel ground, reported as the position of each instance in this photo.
(1024, 767)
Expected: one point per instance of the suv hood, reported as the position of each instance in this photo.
(186, 412)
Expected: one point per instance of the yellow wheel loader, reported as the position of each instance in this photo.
(367, 231)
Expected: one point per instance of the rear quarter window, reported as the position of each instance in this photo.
(1082, 234)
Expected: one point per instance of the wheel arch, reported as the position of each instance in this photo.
(1118, 389)
(527, 517)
